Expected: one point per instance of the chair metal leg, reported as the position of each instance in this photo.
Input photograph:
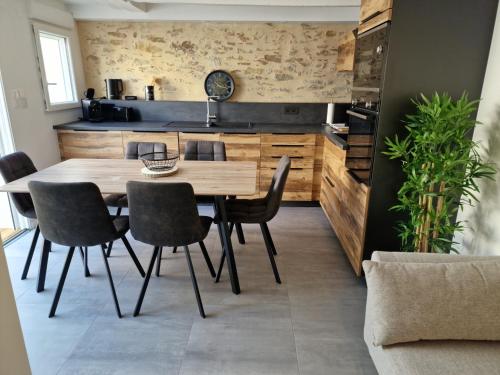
(195, 284)
(42, 271)
(268, 234)
(85, 261)
(221, 266)
(110, 246)
(239, 232)
(207, 258)
(270, 253)
(62, 279)
(132, 255)
(137, 309)
(174, 250)
(30, 253)
(111, 284)
(158, 262)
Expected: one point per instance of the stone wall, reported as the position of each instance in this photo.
(270, 62)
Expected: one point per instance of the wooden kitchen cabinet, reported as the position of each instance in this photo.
(171, 139)
(301, 150)
(318, 166)
(90, 144)
(345, 56)
(184, 137)
(371, 8)
(374, 13)
(345, 203)
(243, 147)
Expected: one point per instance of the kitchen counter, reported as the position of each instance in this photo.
(199, 127)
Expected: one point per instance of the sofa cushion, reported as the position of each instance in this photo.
(449, 357)
(433, 301)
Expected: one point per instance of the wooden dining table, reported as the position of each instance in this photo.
(209, 178)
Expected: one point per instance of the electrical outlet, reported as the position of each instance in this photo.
(291, 110)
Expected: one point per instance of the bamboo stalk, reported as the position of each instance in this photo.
(439, 209)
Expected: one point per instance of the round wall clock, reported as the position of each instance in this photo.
(220, 85)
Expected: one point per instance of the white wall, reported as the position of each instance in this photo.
(32, 126)
(483, 237)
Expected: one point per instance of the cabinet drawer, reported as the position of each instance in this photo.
(358, 163)
(301, 156)
(298, 185)
(90, 144)
(288, 139)
(171, 139)
(359, 152)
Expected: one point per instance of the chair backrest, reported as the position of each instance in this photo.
(275, 192)
(13, 167)
(205, 150)
(163, 214)
(72, 214)
(136, 149)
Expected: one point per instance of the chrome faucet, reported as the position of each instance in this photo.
(211, 118)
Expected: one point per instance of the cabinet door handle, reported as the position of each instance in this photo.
(356, 114)
(329, 181)
(288, 145)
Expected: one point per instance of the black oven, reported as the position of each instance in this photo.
(369, 67)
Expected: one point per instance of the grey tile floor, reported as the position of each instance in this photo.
(310, 324)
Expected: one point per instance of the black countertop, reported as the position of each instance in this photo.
(198, 127)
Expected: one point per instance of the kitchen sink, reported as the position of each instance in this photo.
(200, 124)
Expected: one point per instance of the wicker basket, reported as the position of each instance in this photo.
(160, 161)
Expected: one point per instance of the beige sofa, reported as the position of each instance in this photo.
(436, 357)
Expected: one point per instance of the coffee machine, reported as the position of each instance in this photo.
(114, 88)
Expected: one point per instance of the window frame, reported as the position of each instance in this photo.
(67, 35)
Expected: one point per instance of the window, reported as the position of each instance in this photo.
(56, 68)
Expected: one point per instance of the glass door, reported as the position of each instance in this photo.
(10, 221)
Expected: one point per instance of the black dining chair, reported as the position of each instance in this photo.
(166, 214)
(209, 151)
(133, 151)
(260, 211)
(75, 215)
(13, 167)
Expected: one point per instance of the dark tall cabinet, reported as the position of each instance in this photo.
(432, 46)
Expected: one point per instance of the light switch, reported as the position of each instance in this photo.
(20, 101)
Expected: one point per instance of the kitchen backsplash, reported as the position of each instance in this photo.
(270, 62)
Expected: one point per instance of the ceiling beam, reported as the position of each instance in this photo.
(287, 3)
(129, 5)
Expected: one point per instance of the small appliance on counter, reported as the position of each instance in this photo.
(124, 114)
(149, 93)
(114, 88)
(95, 111)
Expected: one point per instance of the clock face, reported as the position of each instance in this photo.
(219, 83)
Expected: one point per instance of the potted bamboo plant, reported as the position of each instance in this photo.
(441, 165)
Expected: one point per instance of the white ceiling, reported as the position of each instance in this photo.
(216, 10)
